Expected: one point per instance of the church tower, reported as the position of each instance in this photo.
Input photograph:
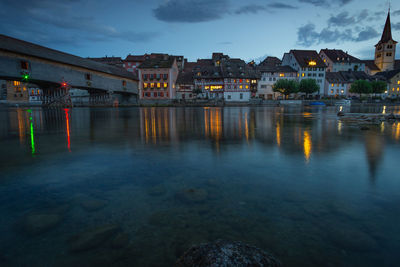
(385, 49)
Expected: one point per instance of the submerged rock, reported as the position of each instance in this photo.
(93, 238)
(93, 204)
(121, 240)
(224, 253)
(157, 190)
(38, 223)
(192, 195)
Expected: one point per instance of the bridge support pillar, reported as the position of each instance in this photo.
(99, 97)
(56, 96)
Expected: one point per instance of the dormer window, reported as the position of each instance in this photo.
(390, 46)
(24, 65)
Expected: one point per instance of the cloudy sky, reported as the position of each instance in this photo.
(248, 29)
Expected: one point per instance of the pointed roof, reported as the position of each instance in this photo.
(387, 31)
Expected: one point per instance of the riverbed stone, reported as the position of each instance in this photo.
(93, 204)
(353, 239)
(93, 237)
(192, 195)
(121, 240)
(38, 223)
(157, 190)
(225, 253)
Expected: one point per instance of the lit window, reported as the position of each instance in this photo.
(24, 65)
(281, 75)
(152, 85)
(165, 85)
(331, 91)
(247, 87)
(332, 85)
(312, 63)
(303, 74)
(247, 81)
(241, 87)
(158, 85)
(240, 81)
(145, 85)
(342, 91)
(123, 83)
(398, 82)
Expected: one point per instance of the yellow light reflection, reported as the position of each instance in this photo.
(278, 134)
(21, 126)
(397, 131)
(339, 127)
(246, 126)
(384, 110)
(307, 143)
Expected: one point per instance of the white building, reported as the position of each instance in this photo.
(338, 60)
(308, 65)
(269, 76)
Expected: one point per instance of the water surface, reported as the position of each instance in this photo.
(298, 182)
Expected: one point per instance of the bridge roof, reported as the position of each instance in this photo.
(22, 47)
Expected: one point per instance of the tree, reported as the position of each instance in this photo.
(286, 87)
(308, 86)
(361, 87)
(378, 87)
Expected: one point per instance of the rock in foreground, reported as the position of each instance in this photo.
(224, 253)
(93, 238)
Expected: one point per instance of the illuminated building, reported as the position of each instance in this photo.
(269, 76)
(385, 52)
(158, 78)
(338, 60)
(222, 77)
(308, 65)
(393, 80)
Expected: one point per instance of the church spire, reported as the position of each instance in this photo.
(387, 31)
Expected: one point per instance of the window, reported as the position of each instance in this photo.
(247, 87)
(390, 46)
(388, 54)
(145, 85)
(158, 76)
(158, 85)
(247, 81)
(379, 55)
(229, 96)
(240, 81)
(270, 79)
(165, 85)
(165, 76)
(282, 75)
(241, 96)
(155, 94)
(124, 83)
(24, 65)
(303, 74)
(152, 85)
(88, 76)
(145, 76)
(331, 91)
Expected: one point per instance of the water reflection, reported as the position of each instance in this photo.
(292, 130)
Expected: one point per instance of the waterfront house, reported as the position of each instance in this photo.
(308, 65)
(158, 78)
(338, 60)
(270, 74)
(393, 79)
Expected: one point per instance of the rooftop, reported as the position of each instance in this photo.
(337, 55)
(304, 57)
(22, 47)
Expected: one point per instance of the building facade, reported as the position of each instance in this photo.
(393, 79)
(158, 78)
(338, 60)
(269, 76)
(385, 49)
(308, 65)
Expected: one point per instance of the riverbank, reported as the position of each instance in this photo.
(211, 103)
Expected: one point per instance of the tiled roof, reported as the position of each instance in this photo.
(303, 57)
(157, 63)
(347, 76)
(388, 74)
(22, 47)
(284, 69)
(387, 32)
(370, 64)
(337, 55)
(397, 64)
(271, 61)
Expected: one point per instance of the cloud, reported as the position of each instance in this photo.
(250, 9)
(281, 6)
(307, 35)
(341, 19)
(325, 3)
(396, 26)
(56, 22)
(191, 11)
(396, 13)
(366, 34)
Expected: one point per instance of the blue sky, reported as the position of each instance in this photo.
(195, 28)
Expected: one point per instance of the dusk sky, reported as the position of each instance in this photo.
(196, 28)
